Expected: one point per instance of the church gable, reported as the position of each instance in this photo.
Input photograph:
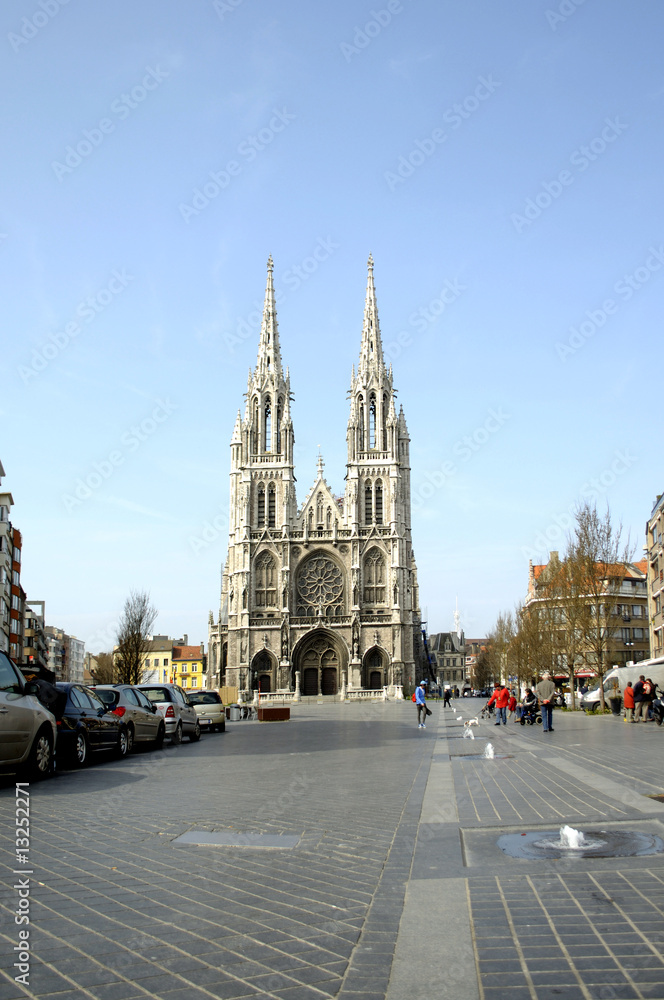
(321, 508)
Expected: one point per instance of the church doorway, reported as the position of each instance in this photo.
(373, 672)
(319, 661)
(262, 673)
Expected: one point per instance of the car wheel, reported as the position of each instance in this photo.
(130, 738)
(122, 748)
(81, 749)
(159, 738)
(40, 762)
(196, 735)
(177, 735)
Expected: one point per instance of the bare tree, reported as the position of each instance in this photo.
(138, 617)
(596, 561)
(106, 671)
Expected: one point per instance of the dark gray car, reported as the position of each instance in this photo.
(144, 723)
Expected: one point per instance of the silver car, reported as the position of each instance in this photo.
(27, 729)
(142, 719)
(210, 710)
(174, 705)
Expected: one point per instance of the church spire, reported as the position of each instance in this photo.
(269, 352)
(371, 352)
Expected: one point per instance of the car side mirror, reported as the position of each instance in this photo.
(102, 711)
(32, 688)
(153, 709)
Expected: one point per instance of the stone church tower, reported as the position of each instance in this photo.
(327, 590)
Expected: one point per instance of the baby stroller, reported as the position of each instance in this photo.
(487, 711)
(531, 716)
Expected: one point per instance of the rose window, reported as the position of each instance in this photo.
(320, 587)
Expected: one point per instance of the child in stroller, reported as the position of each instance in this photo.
(530, 711)
(487, 711)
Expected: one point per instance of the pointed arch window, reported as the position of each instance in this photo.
(319, 511)
(265, 589)
(384, 422)
(368, 503)
(374, 577)
(280, 417)
(372, 421)
(260, 509)
(254, 429)
(378, 512)
(328, 518)
(271, 506)
(360, 410)
(267, 426)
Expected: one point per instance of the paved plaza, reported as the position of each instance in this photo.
(344, 854)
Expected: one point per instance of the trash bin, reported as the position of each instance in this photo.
(235, 713)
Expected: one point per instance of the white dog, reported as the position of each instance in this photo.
(472, 722)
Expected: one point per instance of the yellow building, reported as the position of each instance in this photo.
(189, 666)
(157, 661)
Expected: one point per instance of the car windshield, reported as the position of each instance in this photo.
(204, 698)
(156, 694)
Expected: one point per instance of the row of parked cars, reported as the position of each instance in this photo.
(39, 720)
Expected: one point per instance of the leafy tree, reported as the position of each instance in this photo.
(136, 622)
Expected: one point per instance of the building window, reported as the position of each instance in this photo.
(271, 506)
(194, 667)
(260, 513)
(266, 581)
(372, 421)
(368, 503)
(280, 415)
(379, 502)
(267, 430)
(360, 413)
(147, 663)
(374, 577)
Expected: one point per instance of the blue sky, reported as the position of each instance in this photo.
(502, 165)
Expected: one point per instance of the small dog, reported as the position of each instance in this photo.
(472, 722)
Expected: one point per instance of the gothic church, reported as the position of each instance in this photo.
(322, 598)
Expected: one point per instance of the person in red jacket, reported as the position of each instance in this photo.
(628, 699)
(501, 697)
(511, 706)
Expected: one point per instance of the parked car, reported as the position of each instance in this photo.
(144, 722)
(27, 729)
(86, 726)
(177, 711)
(209, 709)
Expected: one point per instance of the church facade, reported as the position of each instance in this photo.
(322, 597)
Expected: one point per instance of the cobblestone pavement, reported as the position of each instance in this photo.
(395, 886)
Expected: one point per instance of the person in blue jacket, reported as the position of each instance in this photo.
(421, 702)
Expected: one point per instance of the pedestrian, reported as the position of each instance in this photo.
(649, 692)
(529, 705)
(446, 698)
(421, 702)
(628, 701)
(641, 703)
(511, 707)
(501, 696)
(545, 691)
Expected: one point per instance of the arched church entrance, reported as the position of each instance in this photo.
(374, 669)
(320, 661)
(262, 672)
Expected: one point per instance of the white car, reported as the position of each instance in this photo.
(27, 730)
(178, 712)
(210, 710)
